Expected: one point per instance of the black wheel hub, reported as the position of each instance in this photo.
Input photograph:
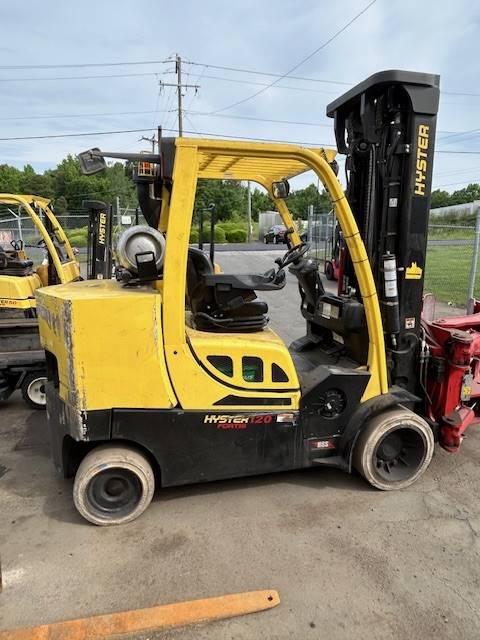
(114, 491)
(399, 454)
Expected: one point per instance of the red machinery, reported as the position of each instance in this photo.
(450, 374)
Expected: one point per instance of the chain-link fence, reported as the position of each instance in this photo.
(320, 234)
(451, 266)
(451, 273)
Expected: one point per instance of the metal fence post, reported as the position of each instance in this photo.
(473, 266)
(19, 224)
(310, 224)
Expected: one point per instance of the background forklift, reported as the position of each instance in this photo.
(332, 267)
(171, 375)
(22, 359)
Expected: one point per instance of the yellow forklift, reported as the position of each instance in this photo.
(19, 277)
(22, 359)
(170, 375)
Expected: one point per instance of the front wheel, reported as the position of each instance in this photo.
(33, 390)
(275, 240)
(114, 484)
(394, 449)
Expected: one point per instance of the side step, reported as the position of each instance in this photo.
(331, 461)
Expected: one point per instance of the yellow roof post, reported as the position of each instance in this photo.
(268, 163)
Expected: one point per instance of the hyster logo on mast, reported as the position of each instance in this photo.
(422, 153)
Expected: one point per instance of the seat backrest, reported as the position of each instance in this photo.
(198, 266)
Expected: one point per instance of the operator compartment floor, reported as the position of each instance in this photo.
(308, 360)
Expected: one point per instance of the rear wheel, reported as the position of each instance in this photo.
(114, 484)
(265, 240)
(33, 390)
(394, 449)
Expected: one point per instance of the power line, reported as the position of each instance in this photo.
(459, 133)
(265, 84)
(74, 135)
(305, 59)
(453, 184)
(113, 75)
(201, 133)
(266, 73)
(235, 80)
(85, 65)
(82, 65)
(305, 79)
(475, 153)
(60, 116)
(456, 171)
(309, 90)
(238, 117)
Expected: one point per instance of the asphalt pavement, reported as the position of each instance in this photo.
(349, 562)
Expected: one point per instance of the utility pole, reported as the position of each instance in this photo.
(178, 68)
(151, 140)
(249, 212)
(119, 218)
(179, 87)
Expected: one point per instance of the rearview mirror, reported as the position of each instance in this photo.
(281, 189)
(91, 162)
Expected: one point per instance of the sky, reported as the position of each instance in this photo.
(435, 36)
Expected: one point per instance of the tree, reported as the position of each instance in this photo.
(61, 205)
(260, 202)
(445, 199)
(299, 201)
(440, 199)
(36, 184)
(228, 196)
(9, 179)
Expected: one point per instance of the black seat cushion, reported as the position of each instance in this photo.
(216, 303)
(11, 265)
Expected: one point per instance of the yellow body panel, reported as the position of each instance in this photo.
(217, 385)
(266, 343)
(108, 343)
(18, 292)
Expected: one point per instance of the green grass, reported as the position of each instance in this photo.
(457, 233)
(447, 273)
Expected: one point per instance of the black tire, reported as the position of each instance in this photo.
(275, 240)
(33, 389)
(394, 449)
(329, 272)
(114, 484)
(265, 240)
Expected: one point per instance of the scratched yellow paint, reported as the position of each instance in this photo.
(108, 343)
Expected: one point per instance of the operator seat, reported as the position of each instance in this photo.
(11, 265)
(226, 302)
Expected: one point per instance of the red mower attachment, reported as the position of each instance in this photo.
(450, 375)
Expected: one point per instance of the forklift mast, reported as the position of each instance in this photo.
(386, 128)
(99, 261)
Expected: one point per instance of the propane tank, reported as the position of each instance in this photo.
(140, 240)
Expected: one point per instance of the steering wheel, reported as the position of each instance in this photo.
(293, 255)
